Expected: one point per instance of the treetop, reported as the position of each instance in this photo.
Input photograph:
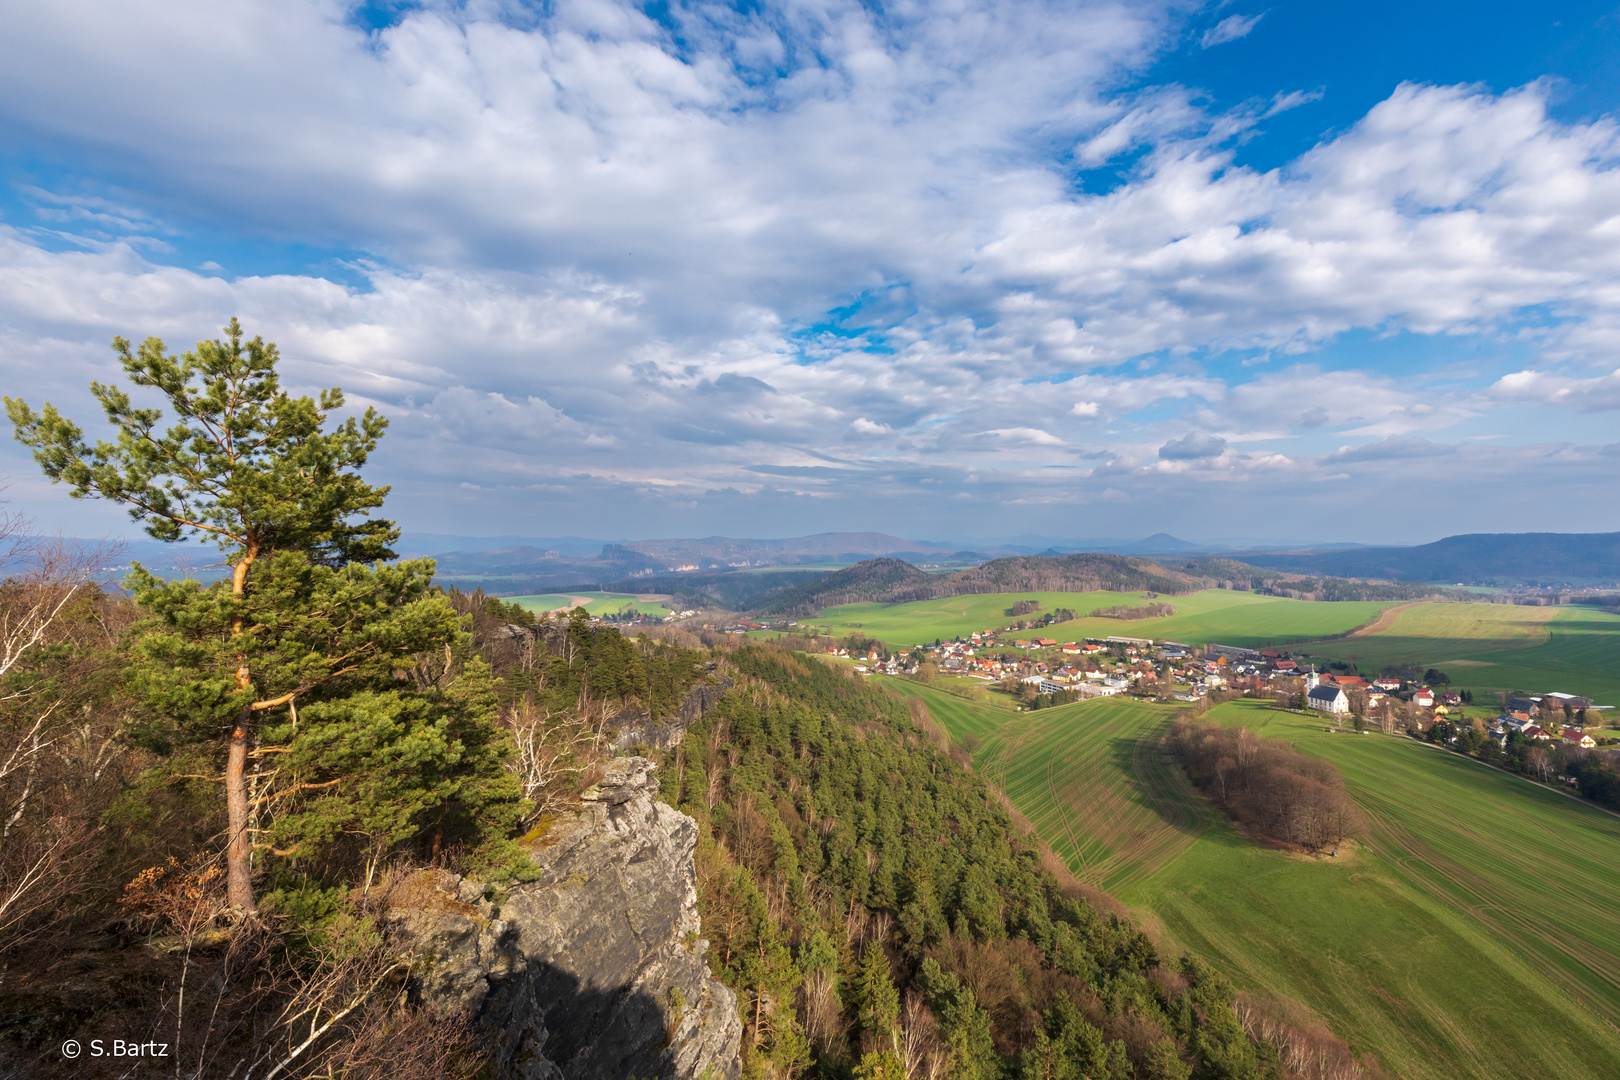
(245, 462)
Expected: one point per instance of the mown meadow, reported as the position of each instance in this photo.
(1213, 615)
(1467, 935)
(597, 603)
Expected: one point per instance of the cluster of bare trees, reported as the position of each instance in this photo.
(233, 1007)
(58, 740)
(1310, 1054)
(1266, 786)
(1128, 613)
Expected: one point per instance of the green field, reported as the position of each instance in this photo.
(597, 603)
(1491, 647)
(1469, 936)
(1214, 615)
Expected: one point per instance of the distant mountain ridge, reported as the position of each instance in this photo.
(1472, 559)
(717, 551)
(510, 564)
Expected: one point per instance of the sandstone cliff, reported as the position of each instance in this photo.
(595, 971)
(638, 728)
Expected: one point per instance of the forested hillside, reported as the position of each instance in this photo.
(1063, 573)
(876, 908)
(871, 579)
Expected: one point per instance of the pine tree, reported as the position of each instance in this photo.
(309, 617)
(879, 1000)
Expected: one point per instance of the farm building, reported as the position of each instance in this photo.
(1329, 699)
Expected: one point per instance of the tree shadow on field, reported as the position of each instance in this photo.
(1142, 789)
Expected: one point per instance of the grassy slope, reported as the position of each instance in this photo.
(1095, 787)
(1465, 939)
(1502, 647)
(1231, 618)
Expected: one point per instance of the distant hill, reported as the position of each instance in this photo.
(873, 579)
(732, 590)
(1084, 572)
(1160, 544)
(1472, 559)
(1225, 573)
(892, 581)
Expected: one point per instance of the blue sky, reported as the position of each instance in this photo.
(962, 270)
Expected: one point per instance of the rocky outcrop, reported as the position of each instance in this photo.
(640, 729)
(595, 971)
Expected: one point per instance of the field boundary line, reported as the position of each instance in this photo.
(1516, 776)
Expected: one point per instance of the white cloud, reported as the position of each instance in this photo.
(1193, 446)
(1393, 448)
(1230, 29)
(830, 235)
(1600, 394)
(1022, 436)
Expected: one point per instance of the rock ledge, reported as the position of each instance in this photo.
(595, 971)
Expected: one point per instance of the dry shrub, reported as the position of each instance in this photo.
(176, 896)
(404, 1042)
(1170, 984)
(925, 720)
(1138, 1032)
(45, 871)
(1308, 1050)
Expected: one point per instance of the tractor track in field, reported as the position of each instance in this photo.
(1107, 818)
(1481, 899)
(1063, 815)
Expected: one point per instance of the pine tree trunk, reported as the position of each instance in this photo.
(238, 852)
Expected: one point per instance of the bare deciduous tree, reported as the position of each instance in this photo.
(823, 1015)
(920, 1051)
(47, 596)
(553, 750)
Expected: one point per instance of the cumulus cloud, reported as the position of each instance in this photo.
(1600, 394)
(1193, 446)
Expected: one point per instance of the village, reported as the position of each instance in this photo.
(1043, 672)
